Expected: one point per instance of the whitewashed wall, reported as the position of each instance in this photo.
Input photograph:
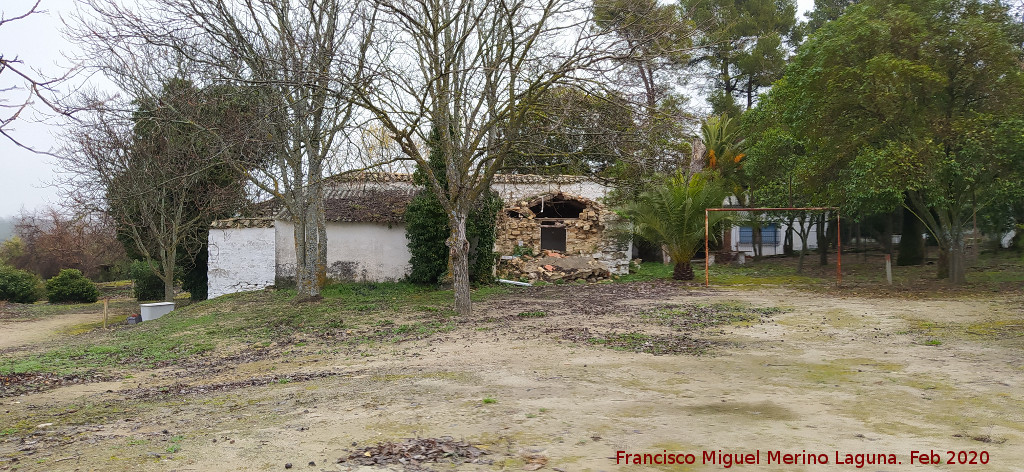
(511, 192)
(363, 252)
(770, 250)
(241, 259)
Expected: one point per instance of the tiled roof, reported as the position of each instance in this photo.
(260, 222)
(376, 197)
(367, 205)
(389, 177)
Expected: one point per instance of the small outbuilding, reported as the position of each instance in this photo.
(556, 217)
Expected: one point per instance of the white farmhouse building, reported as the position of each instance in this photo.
(773, 235)
(366, 230)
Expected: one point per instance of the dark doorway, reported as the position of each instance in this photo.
(552, 238)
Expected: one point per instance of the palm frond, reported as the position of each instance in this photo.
(672, 214)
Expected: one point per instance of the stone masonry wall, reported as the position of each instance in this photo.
(587, 235)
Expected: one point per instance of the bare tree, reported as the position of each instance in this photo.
(33, 85)
(468, 69)
(295, 53)
(50, 240)
(161, 179)
(654, 41)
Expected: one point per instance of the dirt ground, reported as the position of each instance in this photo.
(827, 373)
(15, 331)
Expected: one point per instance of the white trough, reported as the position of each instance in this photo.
(152, 311)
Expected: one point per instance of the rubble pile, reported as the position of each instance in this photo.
(552, 266)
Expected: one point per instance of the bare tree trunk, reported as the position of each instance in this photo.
(299, 235)
(822, 240)
(942, 264)
(756, 240)
(957, 264)
(860, 244)
(167, 266)
(458, 247)
(309, 284)
(787, 242)
(887, 235)
(321, 256)
(946, 225)
(956, 253)
(804, 232)
(683, 270)
(800, 258)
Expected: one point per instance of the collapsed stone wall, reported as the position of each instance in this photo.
(588, 236)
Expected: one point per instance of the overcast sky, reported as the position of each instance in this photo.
(25, 177)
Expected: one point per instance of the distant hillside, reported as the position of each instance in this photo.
(6, 227)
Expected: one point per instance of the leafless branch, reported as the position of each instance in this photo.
(33, 86)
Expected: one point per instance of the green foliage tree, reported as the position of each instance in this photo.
(652, 42)
(427, 229)
(168, 170)
(180, 123)
(915, 100)
(826, 11)
(724, 152)
(911, 248)
(18, 286)
(672, 214)
(776, 170)
(71, 286)
(743, 46)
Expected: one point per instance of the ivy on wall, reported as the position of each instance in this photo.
(427, 229)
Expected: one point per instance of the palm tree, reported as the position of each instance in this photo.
(723, 146)
(672, 214)
(724, 152)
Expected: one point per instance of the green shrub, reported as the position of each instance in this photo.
(71, 286)
(18, 286)
(147, 285)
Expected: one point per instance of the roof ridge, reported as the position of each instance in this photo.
(385, 177)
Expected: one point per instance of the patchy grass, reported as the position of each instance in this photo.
(1003, 331)
(351, 313)
(648, 271)
(117, 306)
(766, 272)
(863, 274)
(149, 344)
(686, 321)
(700, 316)
(532, 314)
(409, 331)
